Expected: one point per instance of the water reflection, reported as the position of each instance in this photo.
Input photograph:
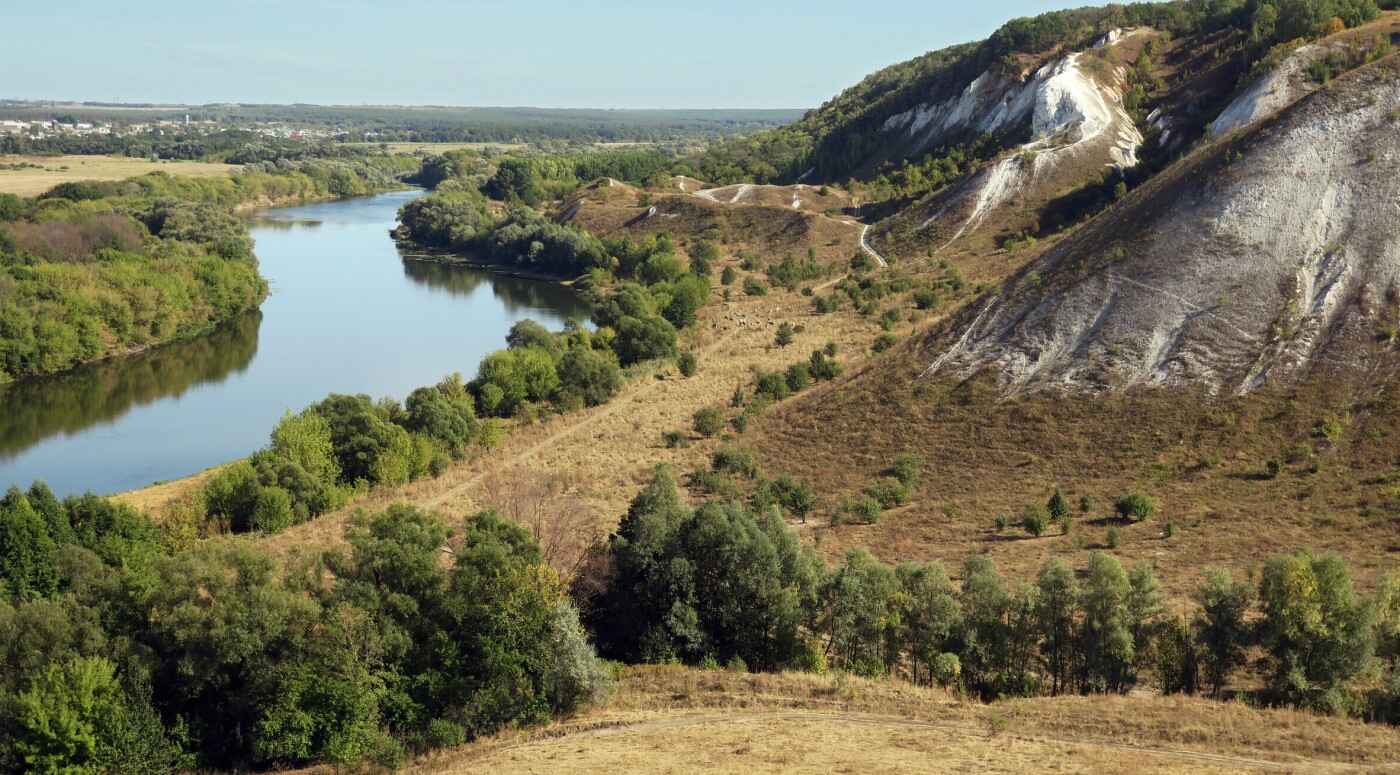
(347, 314)
(102, 392)
(516, 294)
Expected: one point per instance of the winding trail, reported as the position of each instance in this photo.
(869, 251)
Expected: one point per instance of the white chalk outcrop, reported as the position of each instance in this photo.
(1273, 91)
(1072, 117)
(1246, 265)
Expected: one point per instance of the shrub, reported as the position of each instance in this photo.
(774, 385)
(947, 669)
(687, 363)
(728, 276)
(888, 493)
(754, 287)
(785, 334)
(925, 298)
(883, 342)
(272, 511)
(1057, 506)
(1035, 519)
(906, 468)
(593, 375)
(1113, 538)
(740, 423)
(735, 461)
(822, 366)
(798, 377)
(864, 508)
(708, 421)
(673, 439)
(1135, 507)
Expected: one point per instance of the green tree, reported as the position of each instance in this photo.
(1316, 631)
(1057, 605)
(61, 716)
(593, 375)
(1220, 627)
(785, 334)
(1106, 638)
(28, 555)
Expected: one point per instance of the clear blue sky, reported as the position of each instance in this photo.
(548, 53)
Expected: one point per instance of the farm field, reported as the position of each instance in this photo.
(33, 175)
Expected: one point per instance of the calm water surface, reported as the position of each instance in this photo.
(347, 314)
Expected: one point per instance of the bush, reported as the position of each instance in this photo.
(673, 439)
(947, 669)
(906, 468)
(1035, 520)
(888, 493)
(754, 287)
(591, 374)
(728, 276)
(785, 334)
(708, 421)
(735, 461)
(864, 508)
(1135, 507)
(687, 363)
(883, 342)
(798, 377)
(773, 385)
(822, 366)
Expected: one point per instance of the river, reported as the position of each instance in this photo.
(347, 314)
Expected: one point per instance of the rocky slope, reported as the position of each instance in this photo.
(1071, 111)
(1269, 254)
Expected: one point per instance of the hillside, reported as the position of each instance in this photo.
(672, 719)
(1263, 257)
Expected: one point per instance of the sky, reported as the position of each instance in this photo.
(541, 53)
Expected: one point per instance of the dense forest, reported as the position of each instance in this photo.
(91, 270)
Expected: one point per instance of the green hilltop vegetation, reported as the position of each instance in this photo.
(92, 270)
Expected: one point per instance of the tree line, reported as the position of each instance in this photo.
(729, 583)
(91, 269)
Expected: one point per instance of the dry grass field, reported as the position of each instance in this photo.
(33, 175)
(668, 719)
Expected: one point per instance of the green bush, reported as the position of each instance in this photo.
(1135, 507)
(798, 377)
(754, 287)
(1035, 519)
(889, 493)
(687, 363)
(708, 421)
(735, 461)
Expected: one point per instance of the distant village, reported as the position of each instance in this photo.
(50, 128)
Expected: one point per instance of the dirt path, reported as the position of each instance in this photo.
(869, 251)
(960, 729)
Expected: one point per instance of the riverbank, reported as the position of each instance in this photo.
(176, 410)
(427, 256)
